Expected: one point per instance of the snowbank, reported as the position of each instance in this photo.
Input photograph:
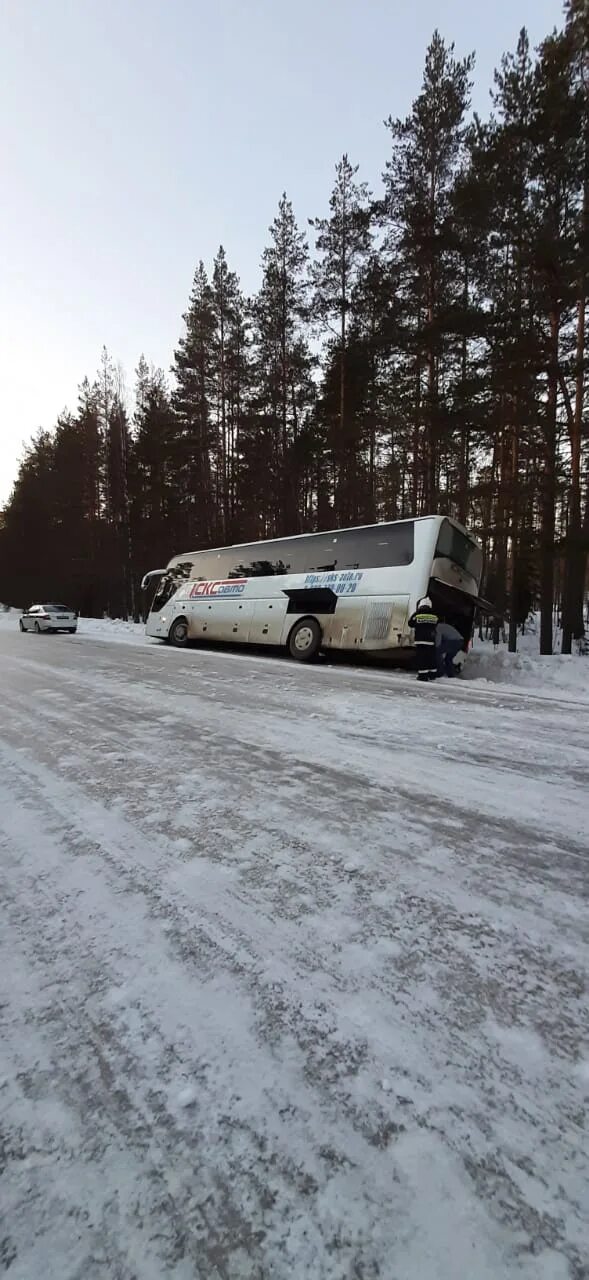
(568, 674)
(113, 629)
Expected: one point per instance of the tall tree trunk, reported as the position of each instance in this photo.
(224, 440)
(287, 496)
(372, 426)
(500, 537)
(576, 555)
(204, 495)
(548, 503)
(432, 440)
(464, 466)
(515, 444)
(514, 592)
(294, 472)
(416, 439)
(342, 480)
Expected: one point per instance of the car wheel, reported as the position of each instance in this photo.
(178, 633)
(304, 641)
(21, 624)
(72, 631)
(37, 629)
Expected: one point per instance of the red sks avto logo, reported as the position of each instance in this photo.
(224, 587)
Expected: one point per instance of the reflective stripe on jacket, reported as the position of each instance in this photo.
(424, 623)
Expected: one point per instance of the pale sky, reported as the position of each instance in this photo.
(138, 135)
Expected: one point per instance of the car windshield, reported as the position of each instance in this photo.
(57, 608)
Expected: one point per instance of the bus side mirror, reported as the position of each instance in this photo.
(153, 573)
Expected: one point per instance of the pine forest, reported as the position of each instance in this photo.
(415, 349)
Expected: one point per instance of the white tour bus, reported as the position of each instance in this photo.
(343, 589)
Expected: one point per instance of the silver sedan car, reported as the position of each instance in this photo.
(49, 617)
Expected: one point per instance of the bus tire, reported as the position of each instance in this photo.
(178, 633)
(304, 641)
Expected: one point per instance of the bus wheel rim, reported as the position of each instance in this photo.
(181, 631)
(304, 638)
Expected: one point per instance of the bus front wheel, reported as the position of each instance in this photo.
(304, 641)
(178, 633)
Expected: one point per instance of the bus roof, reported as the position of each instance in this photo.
(317, 533)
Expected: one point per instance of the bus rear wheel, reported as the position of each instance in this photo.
(304, 641)
(178, 633)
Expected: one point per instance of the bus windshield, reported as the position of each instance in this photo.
(170, 581)
(455, 545)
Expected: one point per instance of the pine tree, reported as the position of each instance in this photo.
(509, 281)
(227, 379)
(104, 392)
(577, 40)
(88, 421)
(342, 243)
(74, 509)
(428, 151)
(197, 445)
(155, 438)
(373, 332)
(28, 532)
(157, 530)
(557, 130)
(282, 362)
(92, 598)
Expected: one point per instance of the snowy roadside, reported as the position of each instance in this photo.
(563, 676)
(566, 675)
(297, 969)
(112, 630)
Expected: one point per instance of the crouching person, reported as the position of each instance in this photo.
(450, 649)
(424, 622)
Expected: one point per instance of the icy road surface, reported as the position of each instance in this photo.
(293, 969)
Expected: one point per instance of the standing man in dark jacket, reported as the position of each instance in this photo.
(424, 622)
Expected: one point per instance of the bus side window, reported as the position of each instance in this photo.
(380, 547)
(251, 565)
(221, 565)
(320, 555)
(242, 567)
(209, 566)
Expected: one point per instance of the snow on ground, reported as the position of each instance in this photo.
(113, 630)
(294, 971)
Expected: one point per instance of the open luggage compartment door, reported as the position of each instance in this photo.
(457, 606)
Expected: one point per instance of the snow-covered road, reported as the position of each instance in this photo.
(293, 968)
